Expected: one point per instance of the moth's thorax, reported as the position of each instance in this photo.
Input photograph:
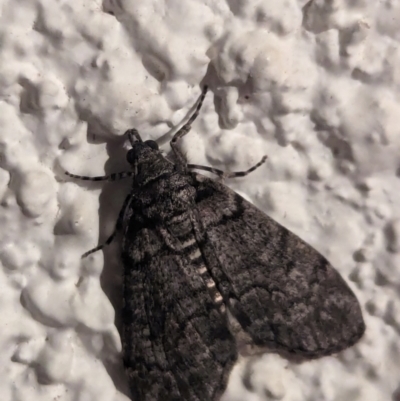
(172, 190)
(149, 164)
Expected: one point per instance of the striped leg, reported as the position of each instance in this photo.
(222, 174)
(118, 226)
(186, 128)
(111, 177)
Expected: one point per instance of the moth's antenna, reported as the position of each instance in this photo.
(196, 112)
(133, 136)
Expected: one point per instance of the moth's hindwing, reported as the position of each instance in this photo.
(283, 293)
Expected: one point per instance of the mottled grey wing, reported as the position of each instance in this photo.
(283, 293)
(177, 345)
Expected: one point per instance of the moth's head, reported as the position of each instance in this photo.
(142, 152)
(145, 158)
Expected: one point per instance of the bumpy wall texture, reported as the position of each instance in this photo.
(314, 85)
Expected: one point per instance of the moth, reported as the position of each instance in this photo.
(196, 257)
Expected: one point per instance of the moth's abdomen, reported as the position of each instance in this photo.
(184, 233)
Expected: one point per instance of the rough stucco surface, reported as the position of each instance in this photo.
(314, 85)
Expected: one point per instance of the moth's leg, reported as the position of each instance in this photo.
(118, 226)
(186, 128)
(251, 169)
(213, 170)
(222, 174)
(111, 177)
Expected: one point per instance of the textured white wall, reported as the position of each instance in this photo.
(315, 86)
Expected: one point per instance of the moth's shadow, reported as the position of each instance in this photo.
(111, 200)
(110, 203)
